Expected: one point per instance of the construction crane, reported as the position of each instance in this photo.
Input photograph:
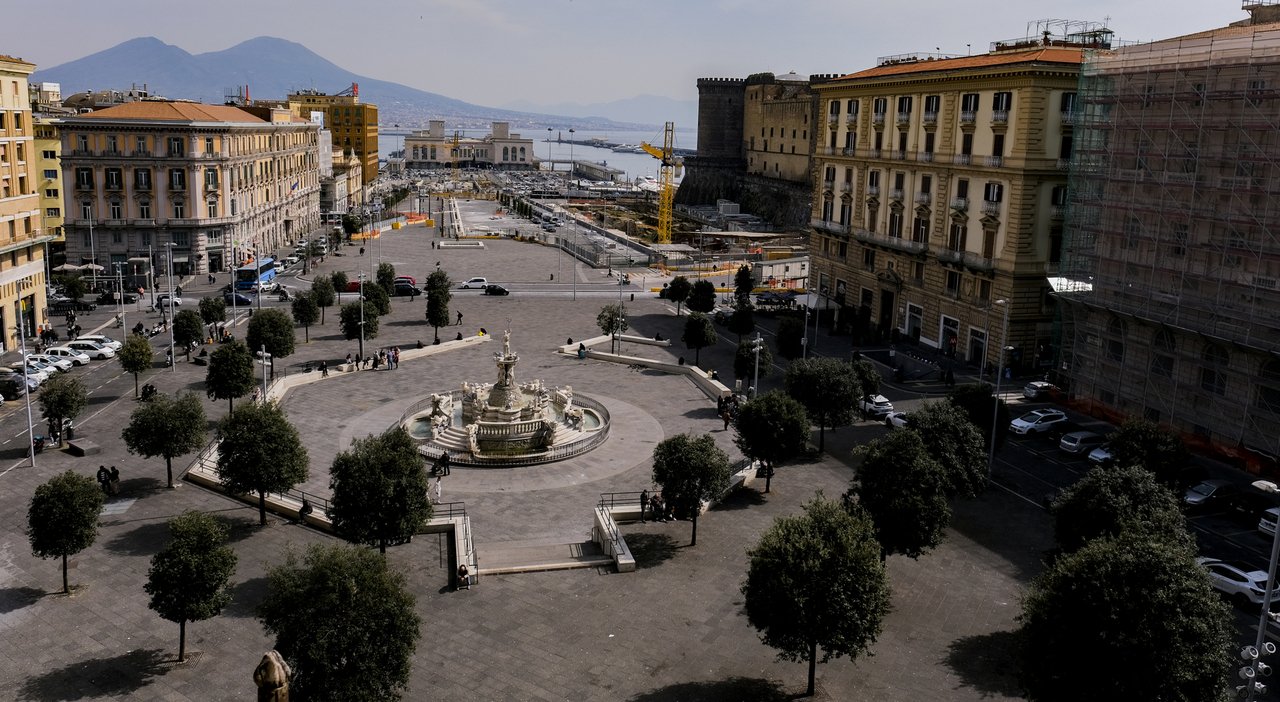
(671, 166)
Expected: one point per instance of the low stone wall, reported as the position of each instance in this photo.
(702, 379)
(611, 542)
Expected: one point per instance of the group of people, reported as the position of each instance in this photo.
(109, 480)
(384, 358)
(727, 408)
(658, 509)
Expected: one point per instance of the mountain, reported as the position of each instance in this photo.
(649, 109)
(273, 68)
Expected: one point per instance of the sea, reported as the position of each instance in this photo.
(635, 165)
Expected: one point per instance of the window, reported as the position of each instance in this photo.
(84, 177)
(114, 178)
(917, 271)
(48, 154)
(208, 145)
(82, 143)
(899, 180)
(928, 142)
(984, 289)
(146, 238)
(953, 283)
(926, 184)
(115, 210)
(117, 237)
(1114, 344)
(181, 240)
(112, 146)
(1068, 103)
(873, 179)
(966, 145)
(904, 104)
(50, 174)
(177, 179)
(880, 106)
(997, 145)
(142, 178)
(140, 145)
(969, 102)
(179, 210)
(920, 230)
(962, 188)
(176, 146)
(931, 104)
(1055, 244)
(86, 211)
(1213, 371)
(956, 236)
(895, 224)
(211, 177)
(868, 259)
(144, 209)
(834, 109)
(52, 212)
(1064, 148)
(851, 106)
(213, 208)
(1001, 102)
(993, 192)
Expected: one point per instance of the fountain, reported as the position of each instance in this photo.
(507, 423)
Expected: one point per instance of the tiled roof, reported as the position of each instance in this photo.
(156, 110)
(14, 59)
(1037, 55)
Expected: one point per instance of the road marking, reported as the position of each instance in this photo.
(1017, 494)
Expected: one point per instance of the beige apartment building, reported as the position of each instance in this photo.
(939, 183)
(22, 237)
(48, 149)
(499, 149)
(216, 183)
(354, 124)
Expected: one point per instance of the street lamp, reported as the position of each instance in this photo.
(804, 340)
(120, 293)
(995, 409)
(22, 335)
(756, 344)
(93, 256)
(1252, 654)
(173, 351)
(360, 336)
(572, 167)
(550, 164)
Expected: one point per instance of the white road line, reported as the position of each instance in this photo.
(1015, 493)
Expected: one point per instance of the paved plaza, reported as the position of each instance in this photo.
(673, 630)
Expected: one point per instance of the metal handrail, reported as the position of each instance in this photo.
(609, 500)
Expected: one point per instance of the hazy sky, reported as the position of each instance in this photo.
(493, 52)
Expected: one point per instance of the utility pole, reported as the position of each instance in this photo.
(756, 343)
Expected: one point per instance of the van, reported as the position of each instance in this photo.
(1080, 442)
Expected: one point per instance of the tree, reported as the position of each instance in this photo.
(743, 284)
(612, 321)
(1140, 442)
(744, 361)
(791, 331)
(189, 580)
(903, 489)
(340, 282)
(1089, 623)
(386, 277)
(230, 373)
(376, 296)
(439, 292)
(827, 388)
(213, 310)
(691, 470)
(345, 623)
(322, 292)
(866, 378)
(259, 451)
(349, 320)
(188, 330)
(379, 490)
(74, 286)
(271, 330)
(698, 334)
(977, 400)
(351, 224)
(742, 321)
(1109, 502)
(817, 580)
(305, 312)
(955, 443)
(62, 519)
(63, 397)
(702, 297)
(678, 291)
(166, 426)
(772, 428)
(136, 356)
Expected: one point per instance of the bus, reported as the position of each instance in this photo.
(258, 273)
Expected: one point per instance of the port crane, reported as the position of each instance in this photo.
(671, 165)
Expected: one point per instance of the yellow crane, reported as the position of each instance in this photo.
(666, 179)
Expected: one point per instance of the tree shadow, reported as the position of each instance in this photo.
(13, 454)
(651, 550)
(135, 486)
(410, 323)
(988, 663)
(102, 399)
(736, 689)
(104, 677)
(742, 498)
(239, 528)
(246, 596)
(143, 540)
(13, 599)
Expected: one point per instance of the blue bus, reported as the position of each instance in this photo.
(258, 273)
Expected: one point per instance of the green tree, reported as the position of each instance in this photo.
(866, 378)
(344, 621)
(742, 321)
(379, 490)
(612, 320)
(213, 310)
(230, 373)
(904, 490)
(977, 400)
(259, 451)
(744, 361)
(743, 284)
(340, 282)
(349, 320)
(699, 333)
(136, 356)
(772, 428)
(702, 297)
(439, 293)
(817, 580)
(827, 388)
(322, 292)
(74, 286)
(271, 330)
(691, 470)
(305, 312)
(1140, 442)
(187, 330)
(791, 331)
(377, 297)
(166, 426)
(1109, 502)
(955, 443)
(63, 397)
(1090, 621)
(678, 291)
(350, 225)
(189, 580)
(62, 519)
(386, 277)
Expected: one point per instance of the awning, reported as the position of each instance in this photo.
(182, 259)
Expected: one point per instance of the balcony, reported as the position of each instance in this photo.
(968, 118)
(827, 150)
(873, 191)
(845, 186)
(899, 155)
(83, 185)
(895, 194)
(211, 187)
(1000, 117)
(137, 185)
(828, 185)
(904, 118)
(1068, 119)
(968, 259)
(877, 118)
(114, 185)
(875, 153)
(930, 119)
(891, 242)
(1057, 211)
(994, 161)
(143, 222)
(827, 225)
(923, 198)
(846, 151)
(962, 159)
(925, 157)
(991, 208)
(960, 203)
(140, 153)
(82, 152)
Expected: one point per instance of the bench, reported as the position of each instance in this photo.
(83, 447)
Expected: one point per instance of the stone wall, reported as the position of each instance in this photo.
(781, 202)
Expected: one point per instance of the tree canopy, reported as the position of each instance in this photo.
(323, 293)
(62, 397)
(350, 320)
(378, 297)
(744, 361)
(379, 490)
(866, 377)
(976, 399)
(344, 621)
(1108, 502)
(702, 297)
(259, 451)
(166, 426)
(213, 310)
(230, 373)
(691, 470)
(188, 330)
(74, 286)
(339, 281)
(827, 389)
(273, 329)
(305, 313)
(386, 277)
(612, 320)
(136, 355)
(816, 580)
(742, 321)
(439, 293)
(791, 332)
(1139, 442)
(743, 284)
(678, 291)
(954, 442)
(699, 333)
(62, 518)
(904, 491)
(189, 580)
(772, 428)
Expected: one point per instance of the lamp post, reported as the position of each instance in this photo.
(804, 340)
(360, 336)
(173, 352)
(571, 163)
(1252, 654)
(551, 166)
(22, 336)
(756, 343)
(120, 293)
(995, 406)
(93, 255)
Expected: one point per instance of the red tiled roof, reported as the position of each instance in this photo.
(173, 112)
(1037, 55)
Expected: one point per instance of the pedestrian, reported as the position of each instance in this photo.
(376, 359)
(395, 352)
(437, 489)
(464, 577)
(104, 477)
(458, 337)
(644, 501)
(727, 417)
(114, 481)
(459, 319)
(348, 360)
(324, 369)
(212, 280)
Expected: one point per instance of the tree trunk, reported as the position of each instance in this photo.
(306, 333)
(822, 432)
(437, 334)
(382, 546)
(813, 664)
(768, 474)
(135, 386)
(322, 316)
(697, 356)
(230, 406)
(262, 508)
(182, 641)
(168, 469)
(66, 589)
(694, 541)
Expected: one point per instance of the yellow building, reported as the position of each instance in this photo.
(22, 240)
(354, 124)
(939, 186)
(777, 117)
(48, 149)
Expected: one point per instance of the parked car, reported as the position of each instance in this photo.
(113, 298)
(33, 381)
(1208, 492)
(1037, 389)
(1237, 583)
(493, 289)
(92, 349)
(290, 260)
(405, 290)
(11, 388)
(875, 406)
(406, 279)
(896, 420)
(236, 299)
(62, 364)
(104, 340)
(1078, 442)
(1037, 421)
(1267, 523)
(1101, 456)
(64, 306)
(162, 302)
(33, 370)
(474, 283)
(76, 356)
(352, 286)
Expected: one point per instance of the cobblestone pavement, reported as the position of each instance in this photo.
(673, 630)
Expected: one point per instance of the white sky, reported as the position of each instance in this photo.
(492, 52)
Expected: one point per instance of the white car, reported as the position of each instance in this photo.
(1101, 456)
(76, 356)
(896, 420)
(162, 302)
(1237, 583)
(32, 371)
(1037, 421)
(92, 349)
(290, 260)
(62, 364)
(474, 283)
(104, 340)
(875, 406)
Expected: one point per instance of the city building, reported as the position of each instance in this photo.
(938, 192)
(48, 151)
(499, 149)
(354, 124)
(1170, 283)
(216, 182)
(22, 238)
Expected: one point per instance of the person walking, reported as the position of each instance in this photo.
(104, 477)
(459, 319)
(644, 502)
(324, 369)
(437, 489)
(113, 481)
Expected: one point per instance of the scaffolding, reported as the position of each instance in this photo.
(1171, 262)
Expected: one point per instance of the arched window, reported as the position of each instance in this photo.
(1213, 369)
(1115, 340)
(506, 153)
(1162, 350)
(1268, 384)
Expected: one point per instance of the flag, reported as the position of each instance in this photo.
(295, 185)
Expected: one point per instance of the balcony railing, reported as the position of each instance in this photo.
(930, 119)
(925, 157)
(873, 191)
(1068, 119)
(960, 203)
(828, 185)
(845, 186)
(968, 117)
(923, 198)
(892, 242)
(875, 153)
(1000, 117)
(962, 159)
(827, 150)
(967, 259)
(82, 185)
(904, 117)
(137, 185)
(829, 226)
(140, 153)
(211, 187)
(990, 208)
(143, 222)
(114, 185)
(877, 118)
(899, 155)
(895, 194)
(846, 151)
(1057, 211)
(994, 161)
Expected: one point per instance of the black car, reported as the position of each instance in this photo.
(111, 298)
(496, 290)
(237, 299)
(12, 386)
(405, 289)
